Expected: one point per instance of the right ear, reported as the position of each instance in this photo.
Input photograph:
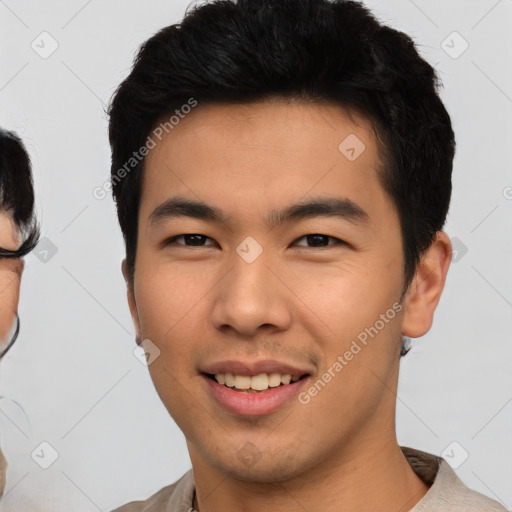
(130, 294)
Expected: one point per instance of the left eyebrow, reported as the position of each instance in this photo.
(342, 208)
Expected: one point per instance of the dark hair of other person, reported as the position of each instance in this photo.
(308, 50)
(17, 192)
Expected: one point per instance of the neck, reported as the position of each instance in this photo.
(376, 478)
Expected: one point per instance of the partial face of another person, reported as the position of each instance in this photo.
(257, 283)
(10, 276)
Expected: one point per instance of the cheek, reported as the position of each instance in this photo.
(359, 330)
(169, 301)
(9, 297)
(170, 312)
(346, 296)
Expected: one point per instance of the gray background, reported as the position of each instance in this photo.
(73, 371)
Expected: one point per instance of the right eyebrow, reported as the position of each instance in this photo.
(181, 207)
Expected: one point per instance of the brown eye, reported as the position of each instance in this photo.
(189, 240)
(318, 240)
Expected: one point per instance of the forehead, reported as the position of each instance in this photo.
(251, 158)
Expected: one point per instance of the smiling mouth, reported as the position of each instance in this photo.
(259, 383)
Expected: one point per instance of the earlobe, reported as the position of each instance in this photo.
(428, 284)
(132, 304)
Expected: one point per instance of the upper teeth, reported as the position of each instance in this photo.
(258, 382)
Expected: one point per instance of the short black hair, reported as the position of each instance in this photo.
(320, 50)
(17, 192)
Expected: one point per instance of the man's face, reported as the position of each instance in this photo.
(250, 296)
(10, 274)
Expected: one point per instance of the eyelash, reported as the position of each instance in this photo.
(337, 240)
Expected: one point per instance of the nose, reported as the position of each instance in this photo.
(251, 298)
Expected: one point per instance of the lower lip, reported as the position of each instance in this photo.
(254, 404)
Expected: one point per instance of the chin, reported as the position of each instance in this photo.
(258, 468)
(261, 474)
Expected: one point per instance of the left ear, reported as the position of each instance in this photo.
(427, 285)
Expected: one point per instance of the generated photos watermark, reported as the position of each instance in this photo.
(355, 348)
(138, 156)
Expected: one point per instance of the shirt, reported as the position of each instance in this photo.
(447, 493)
(3, 466)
